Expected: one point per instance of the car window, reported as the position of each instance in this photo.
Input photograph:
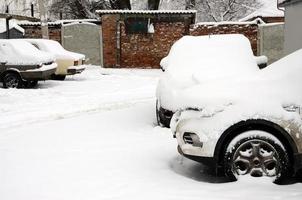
(36, 46)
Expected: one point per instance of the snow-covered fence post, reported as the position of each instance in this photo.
(43, 17)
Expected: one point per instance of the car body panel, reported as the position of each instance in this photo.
(65, 59)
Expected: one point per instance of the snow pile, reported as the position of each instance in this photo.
(114, 153)
(12, 24)
(55, 48)
(18, 52)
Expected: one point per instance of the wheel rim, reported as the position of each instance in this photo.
(257, 158)
(11, 82)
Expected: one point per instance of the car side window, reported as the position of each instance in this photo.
(36, 46)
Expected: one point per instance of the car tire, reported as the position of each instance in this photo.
(12, 80)
(157, 114)
(58, 77)
(257, 153)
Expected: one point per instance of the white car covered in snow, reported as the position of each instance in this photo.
(246, 126)
(21, 64)
(69, 63)
(197, 60)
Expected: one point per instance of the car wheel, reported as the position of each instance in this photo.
(12, 80)
(258, 154)
(157, 114)
(58, 77)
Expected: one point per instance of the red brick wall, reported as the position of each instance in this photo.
(249, 30)
(35, 32)
(109, 24)
(147, 50)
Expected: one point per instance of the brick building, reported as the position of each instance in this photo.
(140, 39)
(134, 39)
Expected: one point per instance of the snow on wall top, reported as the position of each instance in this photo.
(58, 22)
(146, 11)
(12, 24)
(268, 9)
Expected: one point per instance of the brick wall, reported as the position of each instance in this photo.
(35, 32)
(109, 24)
(147, 50)
(249, 30)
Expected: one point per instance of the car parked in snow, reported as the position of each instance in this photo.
(22, 65)
(69, 63)
(245, 126)
(195, 60)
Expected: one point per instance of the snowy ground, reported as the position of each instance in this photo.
(94, 137)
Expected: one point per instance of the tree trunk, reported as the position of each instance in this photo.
(120, 4)
(190, 4)
(153, 4)
(43, 17)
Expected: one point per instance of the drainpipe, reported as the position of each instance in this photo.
(118, 42)
(7, 19)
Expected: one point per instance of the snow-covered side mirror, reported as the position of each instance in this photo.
(261, 61)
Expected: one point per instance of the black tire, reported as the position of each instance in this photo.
(58, 77)
(257, 153)
(30, 84)
(12, 80)
(157, 114)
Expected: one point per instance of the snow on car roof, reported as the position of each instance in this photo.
(210, 57)
(18, 52)
(55, 48)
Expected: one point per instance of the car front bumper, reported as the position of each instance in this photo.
(42, 73)
(75, 70)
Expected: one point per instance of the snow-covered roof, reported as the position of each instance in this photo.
(255, 21)
(285, 2)
(268, 9)
(12, 24)
(146, 12)
(56, 23)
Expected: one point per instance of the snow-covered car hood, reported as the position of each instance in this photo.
(279, 84)
(55, 48)
(18, 52)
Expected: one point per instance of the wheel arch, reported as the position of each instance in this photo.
(12, 70)
(255, 124)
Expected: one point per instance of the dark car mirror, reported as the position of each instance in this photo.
(3, 62)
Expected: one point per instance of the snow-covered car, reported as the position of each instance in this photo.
(196, 60)
(22, 65)
(69, 63)
(246, 126)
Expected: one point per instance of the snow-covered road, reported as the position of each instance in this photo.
(94, 137)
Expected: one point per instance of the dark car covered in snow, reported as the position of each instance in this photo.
(22, 65)
(200, 59)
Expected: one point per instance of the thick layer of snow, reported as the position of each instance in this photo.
(55, 48)
(199, 59)
(18, 52)
(115, 152)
